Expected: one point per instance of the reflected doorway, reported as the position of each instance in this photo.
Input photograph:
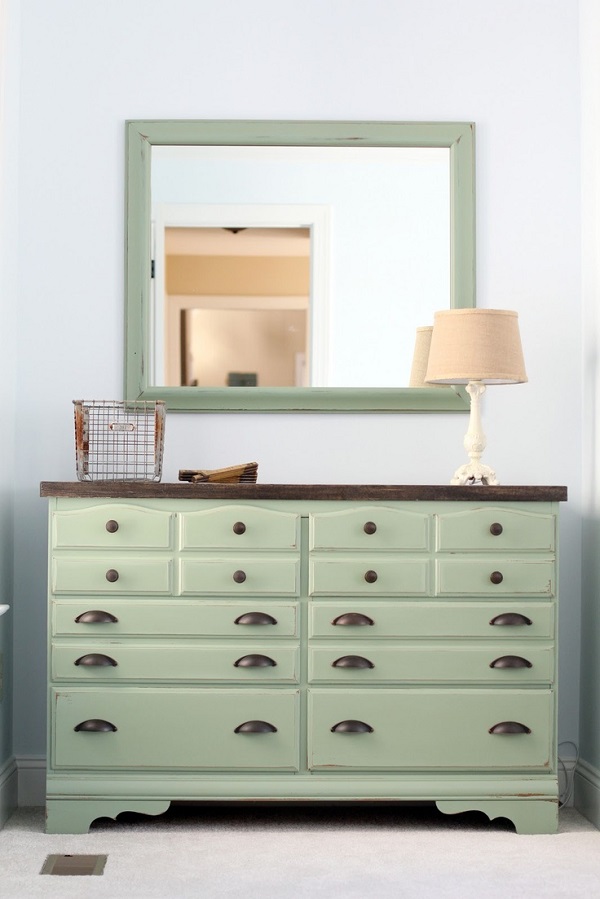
(237, 306)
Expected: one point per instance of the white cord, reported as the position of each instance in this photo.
(569, 781)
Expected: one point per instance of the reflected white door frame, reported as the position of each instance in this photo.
(317, 218)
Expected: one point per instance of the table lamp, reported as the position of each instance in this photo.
(475, 347)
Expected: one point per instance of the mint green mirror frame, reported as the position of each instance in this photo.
(143, 135)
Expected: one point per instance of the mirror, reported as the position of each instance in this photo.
(384, 213)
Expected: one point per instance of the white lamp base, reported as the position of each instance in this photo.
(474, 472)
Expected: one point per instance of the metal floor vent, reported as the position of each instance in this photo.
(74, 864)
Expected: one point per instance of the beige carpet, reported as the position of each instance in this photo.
(280, 852)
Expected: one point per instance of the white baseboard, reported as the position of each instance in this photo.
(32, 780)
(587, 791)
(8, 790)
(566, 776)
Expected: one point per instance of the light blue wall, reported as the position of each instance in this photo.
(9, 78)
(511, 67)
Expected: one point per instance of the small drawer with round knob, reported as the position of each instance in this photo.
(495, 529)
(240, 575)
(370, 528)
(368, 575)
(116, 526)
(112, 574)
(239, 527)
(468, 576)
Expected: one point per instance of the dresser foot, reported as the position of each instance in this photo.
(76, 815)
(533, 816)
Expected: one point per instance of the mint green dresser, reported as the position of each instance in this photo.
(281, 642)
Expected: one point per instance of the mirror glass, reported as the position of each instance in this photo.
(282, 266)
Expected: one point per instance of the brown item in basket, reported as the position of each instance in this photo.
(233, 474)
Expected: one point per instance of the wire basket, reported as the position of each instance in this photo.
(119, 441)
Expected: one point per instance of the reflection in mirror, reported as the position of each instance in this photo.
(385, 213)
(387, 238)
(236, 310)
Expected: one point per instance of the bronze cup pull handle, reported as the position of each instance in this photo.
(352, 618)
(255, 660)
(96, 660)
(96, 616)
(255, 727)
(95, 726)
(352, 662)
(509, 727)
(255, 618)
(351, 726)
(513, 619)
(511, 662)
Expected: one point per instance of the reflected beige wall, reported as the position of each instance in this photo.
(238, 275)
(272, 342)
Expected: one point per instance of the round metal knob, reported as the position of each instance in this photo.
(496, 529)
(370, 527)
(239, 527)
(496, 577)
(370, 576)
(239, 576)
(112, 526)
(112, 575)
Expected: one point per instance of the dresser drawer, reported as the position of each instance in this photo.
(96, 574)
(174, 617)
(240, 575)
(112, 526)
(426, 729)
(370, 528)
(109, 661)
(175, 728)
(239, 527)
(512, 620)
(495, 663)
(494, 576)
(368, 575)
(492, 529)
